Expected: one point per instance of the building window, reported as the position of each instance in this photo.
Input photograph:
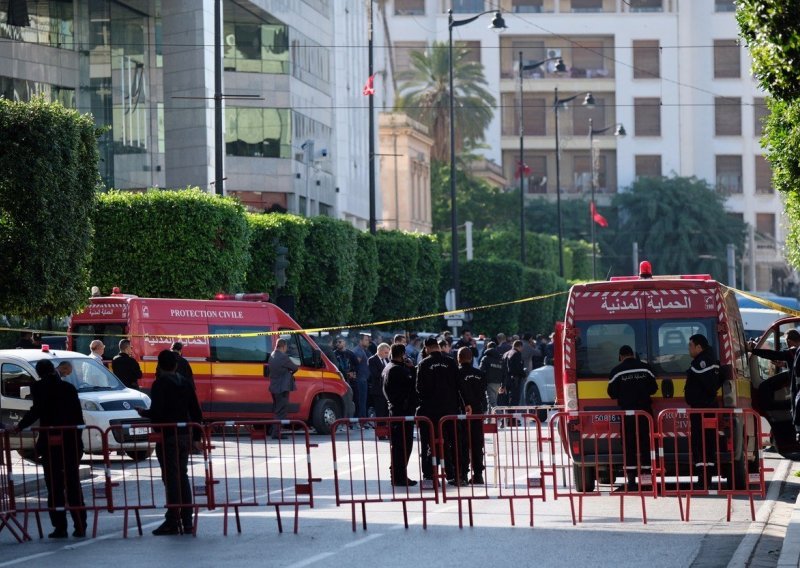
(727, 116)
(729, 174)
(23, 90)
(473, 49)
(258, 132)
(646, 5)
(763, 176)
(727, 59)
(588, 59)
(527, 6)
(586, 6)
(760, 114)
(409, 7)
(534, 114)
(403, 51)
(765, 225)
(724, 5)
(582, 172)
(646, 59)
(647, 116)
(532, 52)
(50, 22)
(253, 44)
(648, 165)
(581, 115)
(468, 6)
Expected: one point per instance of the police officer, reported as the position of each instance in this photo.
(401, 396)
(702, 384)
(437, 394)
(56, 404)
(125, 366)
(492, 367)
(514, 372)
(472, 388)
(631, 383)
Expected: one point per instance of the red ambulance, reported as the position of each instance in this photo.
(228, 371)
(655, 316)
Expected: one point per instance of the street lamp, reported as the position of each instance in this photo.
(619, 130)
(588, 101)
(521, 165)
(497, 24)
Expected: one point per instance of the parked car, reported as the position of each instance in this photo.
(539, 389)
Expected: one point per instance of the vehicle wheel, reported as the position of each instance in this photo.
(584, 478)
(737, 475)
(534, 398)
(30, 455)
(139, 455)
(604, 477)
(325, 413)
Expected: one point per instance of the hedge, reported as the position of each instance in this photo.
(365, 289)
(289, 231)
(178, 244)
(48, 180)
(398, 276)
(326, 290)
(537, 316)
(582, 260)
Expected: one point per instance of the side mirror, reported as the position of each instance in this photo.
(316, 359)
(25, 392)
(667, 388)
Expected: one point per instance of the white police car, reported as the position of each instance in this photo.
(105, 400)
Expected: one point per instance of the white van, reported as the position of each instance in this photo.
(757, 320)
(104, 399)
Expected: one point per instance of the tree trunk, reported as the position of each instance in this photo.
(387, 36)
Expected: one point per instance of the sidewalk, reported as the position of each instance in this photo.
(790, 551)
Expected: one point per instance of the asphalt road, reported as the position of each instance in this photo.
(325, 537)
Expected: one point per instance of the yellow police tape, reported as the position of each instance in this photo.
(766, 303)
(306, 330)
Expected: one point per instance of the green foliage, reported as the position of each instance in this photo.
(425, 95)
(581, 260)
(680, 224)
(782, 142)
(477, 201)
(48, 180)
(537, 316)
(365, 289)
(326, 291)
(428, 296)
(289, 231)
(173, 244)
(398, 275)
(771, 29)
(793, 236)
(488, 282)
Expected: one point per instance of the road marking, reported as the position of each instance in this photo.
(311, 560)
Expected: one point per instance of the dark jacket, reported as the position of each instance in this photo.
(702, 381)
(281, 372)
(399, 389)
(173, 399)
(376, 367)
(514, 369)
(185, 369)
(472, 388)
(631, 383)
(55, 403)
(346, 362)
(127, 369)
(492, 366)
(461, 343)
(437, 386)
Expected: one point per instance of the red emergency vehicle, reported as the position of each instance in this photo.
(655, 316)
(228, 371)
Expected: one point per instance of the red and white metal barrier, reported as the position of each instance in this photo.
(596, 448)
(497, 456)
(180, 467)
(48, 476)
(362, 464)
(251, 468)
(711, 452)
(8, 509)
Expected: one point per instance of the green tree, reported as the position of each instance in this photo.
(267, 229)
(425, 90)
(680, 224)
(170, 244)
(48, 183)
(365, 288)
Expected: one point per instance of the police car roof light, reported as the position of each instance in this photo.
(255, 297)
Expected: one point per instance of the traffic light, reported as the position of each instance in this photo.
(280, 265)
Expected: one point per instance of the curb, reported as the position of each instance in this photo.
(790, 551)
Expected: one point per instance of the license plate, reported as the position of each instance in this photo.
(143, 431)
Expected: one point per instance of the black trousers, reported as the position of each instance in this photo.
(471, 434)
(448, 437)
(703, 437)
(637, 442)
(401, 441)
(280, 406)
(173, 457)
(60, 463)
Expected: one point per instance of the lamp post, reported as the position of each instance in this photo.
(521, 165)
(497, 24)
(619, 130)
(588, 101)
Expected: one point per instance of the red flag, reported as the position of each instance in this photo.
(369, 86)
(523, 169)
(599, 219)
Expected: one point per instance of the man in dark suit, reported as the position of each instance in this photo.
(184, 368)
(376, 365)
(125, 366)
(56, 405)
(281, 382)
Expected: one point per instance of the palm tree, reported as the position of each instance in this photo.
(424, 94)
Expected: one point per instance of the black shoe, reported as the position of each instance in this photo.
(167, 528)
(404, 483)
(58, 533)
(187, 528)
(79, 533)
(281, 437)
(459, 483)
(477, 480)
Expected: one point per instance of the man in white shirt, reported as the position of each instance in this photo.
(96, 349)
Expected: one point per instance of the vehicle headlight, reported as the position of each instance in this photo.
(146, 401)
(89, 405)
